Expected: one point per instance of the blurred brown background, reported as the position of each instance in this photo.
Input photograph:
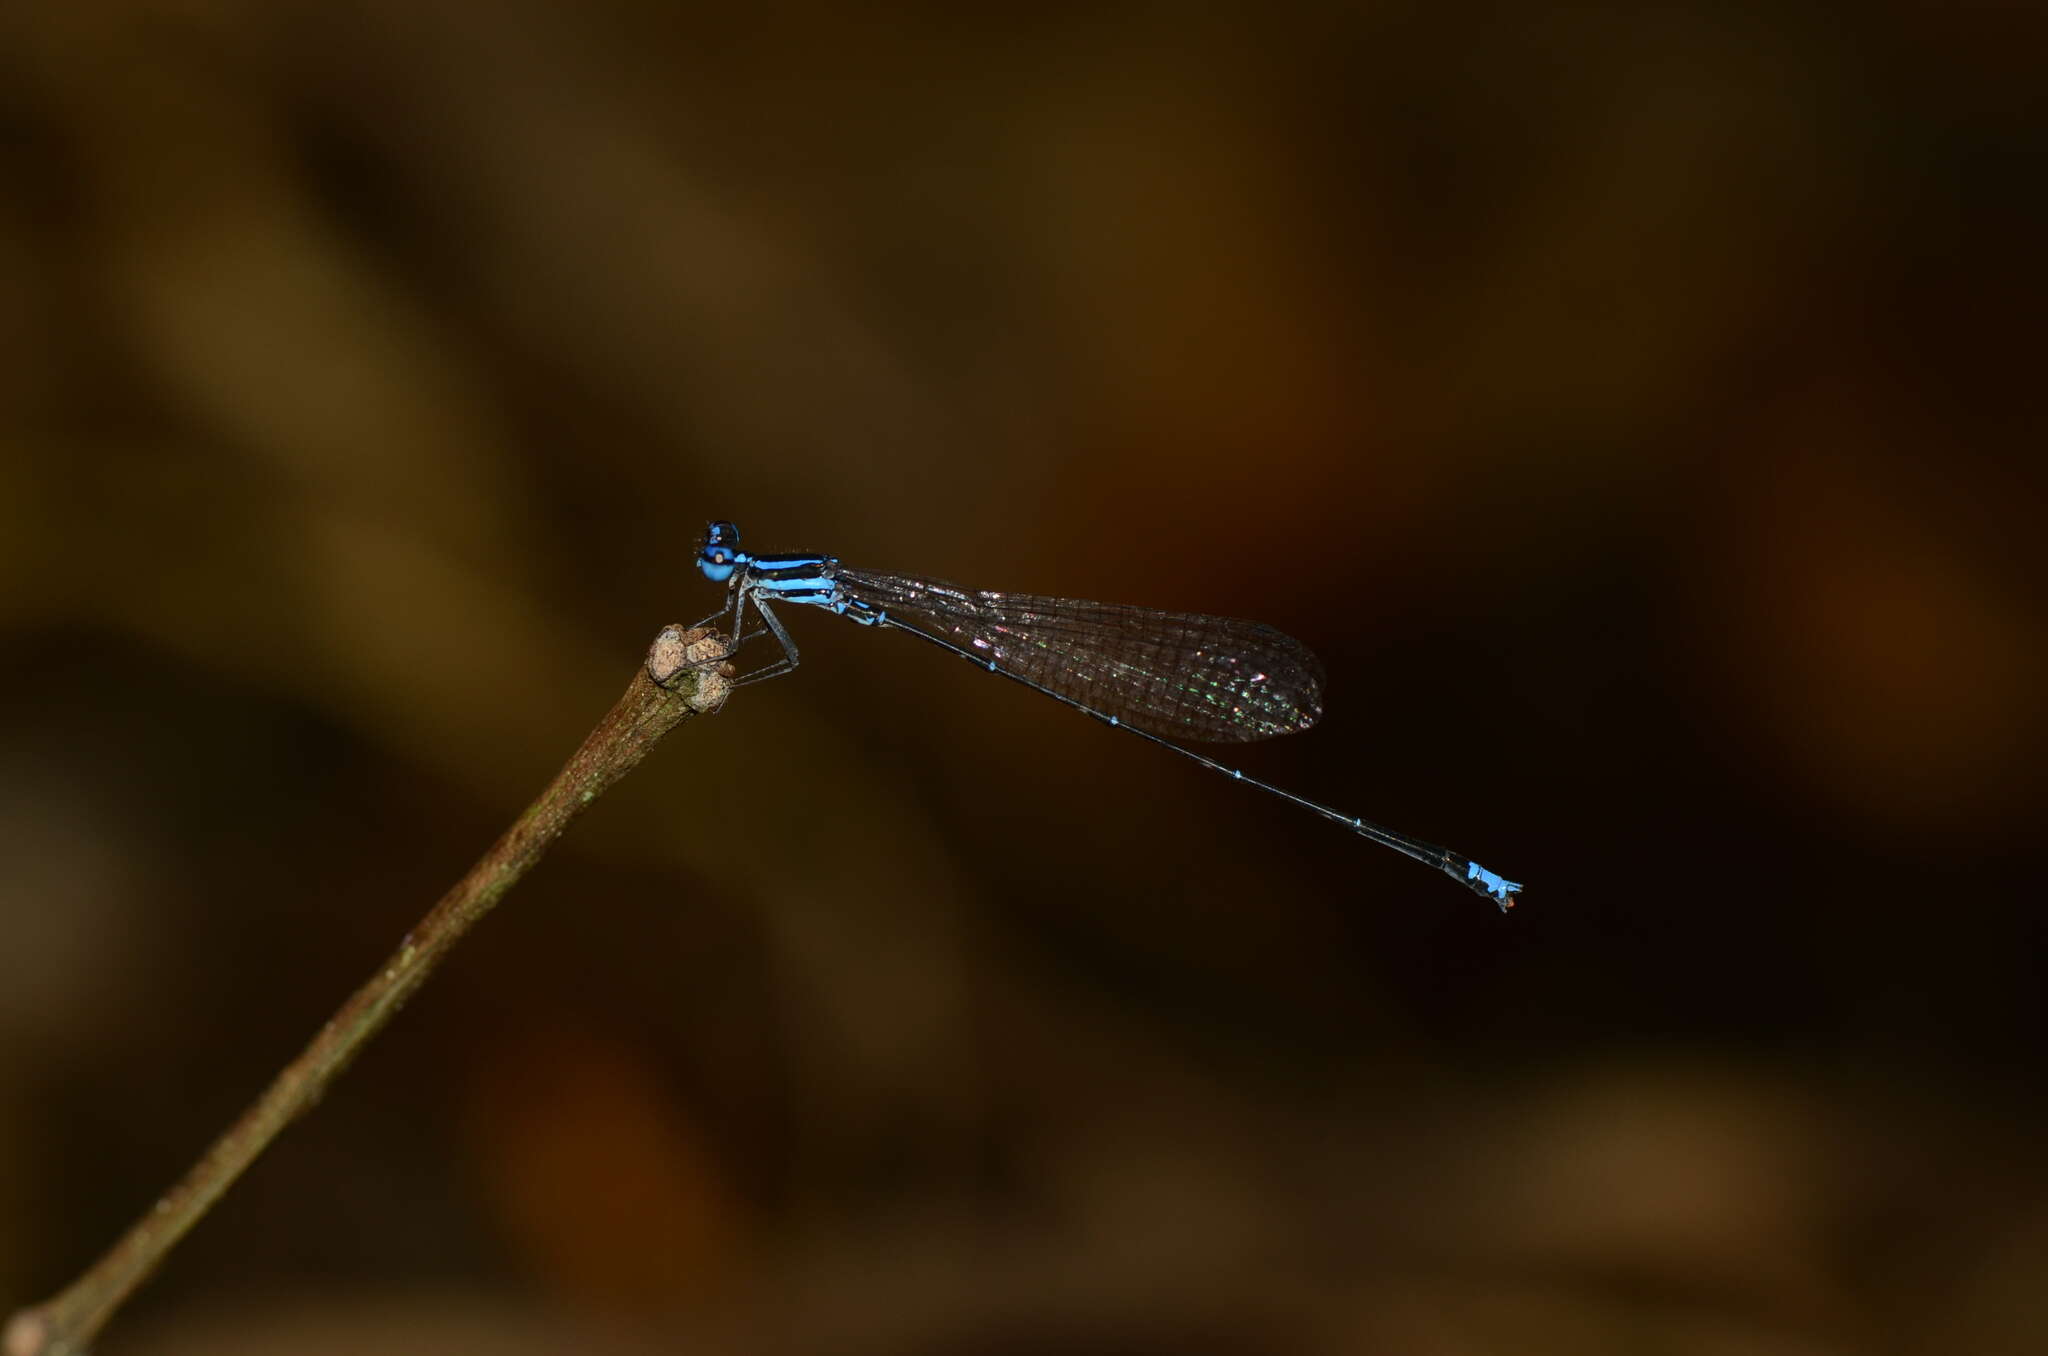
(1639, 410)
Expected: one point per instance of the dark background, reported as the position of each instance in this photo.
(1637, 408)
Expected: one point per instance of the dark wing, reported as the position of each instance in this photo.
(1176, 674)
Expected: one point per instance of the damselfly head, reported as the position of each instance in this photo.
(719, 554)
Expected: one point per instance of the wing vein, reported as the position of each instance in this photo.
(1174, 674)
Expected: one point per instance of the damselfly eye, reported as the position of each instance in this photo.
(718, 555)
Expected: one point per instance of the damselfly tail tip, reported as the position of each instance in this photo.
(1499, 889)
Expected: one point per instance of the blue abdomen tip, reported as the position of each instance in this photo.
(1499, 889)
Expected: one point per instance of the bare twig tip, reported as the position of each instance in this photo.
(668, 657)
(697, 650)
(28, 1334)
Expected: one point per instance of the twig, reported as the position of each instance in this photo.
(685, 674)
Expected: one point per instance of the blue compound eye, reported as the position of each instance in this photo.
(720, 554)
